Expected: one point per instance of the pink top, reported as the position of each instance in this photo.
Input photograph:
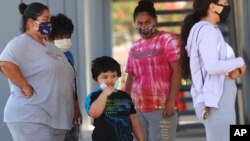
(149, 62)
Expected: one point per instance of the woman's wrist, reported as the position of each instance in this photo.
(27, 90)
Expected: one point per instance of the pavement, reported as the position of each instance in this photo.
(196, 134)
(193, 134)
(189, 129)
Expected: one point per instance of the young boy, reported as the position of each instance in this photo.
(113, 110)
(60, 36)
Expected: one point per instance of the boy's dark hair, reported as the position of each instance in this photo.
(104, 64)
(61, 25)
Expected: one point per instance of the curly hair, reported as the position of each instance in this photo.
(61, 25)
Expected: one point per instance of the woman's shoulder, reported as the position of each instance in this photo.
(17, 41)
(204, 29)
(167, 35)
(137, 41)
(136, 44)
(204, 25)
(163, 33)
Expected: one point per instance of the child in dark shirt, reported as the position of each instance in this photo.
(112, 109)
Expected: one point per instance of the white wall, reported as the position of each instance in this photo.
(9, 27)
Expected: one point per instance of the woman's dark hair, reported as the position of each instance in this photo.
(145, 6)
(32, 11)
(61, 25)
(200, 8)
(104, 64)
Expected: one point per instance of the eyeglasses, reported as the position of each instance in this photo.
(222, 4)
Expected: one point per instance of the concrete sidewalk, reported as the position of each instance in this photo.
(197, 134)
(184, 133)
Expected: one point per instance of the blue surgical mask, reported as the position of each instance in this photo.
(44, 28)
(103, 86)
(116, 85)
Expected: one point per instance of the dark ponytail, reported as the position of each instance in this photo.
(188, 23)
(200, 8)
(22, 7)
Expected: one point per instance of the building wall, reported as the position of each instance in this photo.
(8, 29)
(246, 54)
(242, 21)
(91, 38)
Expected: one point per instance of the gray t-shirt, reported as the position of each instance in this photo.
(48, 71)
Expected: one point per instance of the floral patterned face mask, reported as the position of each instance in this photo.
(146, 32)
(44, 28)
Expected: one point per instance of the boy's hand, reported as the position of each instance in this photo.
(77, 111)
(108, 90)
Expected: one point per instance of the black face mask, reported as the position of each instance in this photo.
(224, 13)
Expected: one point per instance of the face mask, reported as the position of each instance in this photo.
(63, 44)
(103, 86)
(146, 32)
(116, 85)
(224, 13)
(44, 28)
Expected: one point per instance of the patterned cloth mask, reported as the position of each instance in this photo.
(44, 28)
(146, 32)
